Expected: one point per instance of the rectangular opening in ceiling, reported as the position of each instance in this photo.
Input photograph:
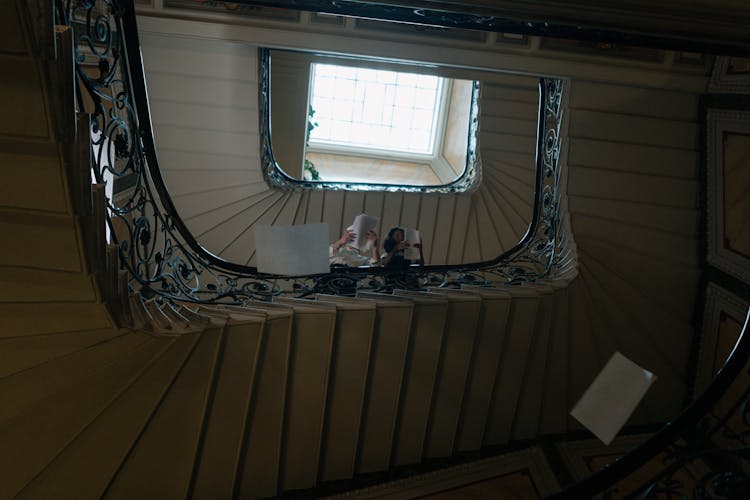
(368, 122)
(363, 108)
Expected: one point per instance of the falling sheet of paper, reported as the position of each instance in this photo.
(292, 250)
(612, 397)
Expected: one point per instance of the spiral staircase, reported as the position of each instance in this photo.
(107, 393)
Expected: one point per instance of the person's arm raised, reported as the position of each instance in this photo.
(345, 238)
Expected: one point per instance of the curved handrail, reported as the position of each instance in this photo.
(140, 98)
(157, 246)
(608, 476)
(141, 141)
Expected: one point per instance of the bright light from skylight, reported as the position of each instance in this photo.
(378, 109)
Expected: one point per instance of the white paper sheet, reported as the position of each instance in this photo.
(411, 236)
(292, 250)
(612, 397)
(362, 223)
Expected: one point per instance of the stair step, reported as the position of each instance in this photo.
(584, 359)
(24, 114)
(180, 321)
(111, 286)
(310, 361)
(22, 353)
(555, 401)
(62, 74)
(36, 174)
(93, 229)
(427, 325)
(85, 466)
(258, 471)
(78, 162)
(39, 432)
(458, 343)
(28, 388)
(355, 324)
(388, 357)
(34, 235)
(528, 411)
(515, 354)
(171, 436)
(140, 315)
(216, 467)
(123, 295)
(161, 321)
(491, 333)
(14, 40)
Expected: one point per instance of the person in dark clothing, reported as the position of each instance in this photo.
(394, 246)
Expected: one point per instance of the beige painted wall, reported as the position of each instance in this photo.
(290, 77)
(457, 125)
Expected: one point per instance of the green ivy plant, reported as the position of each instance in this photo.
(309, 167)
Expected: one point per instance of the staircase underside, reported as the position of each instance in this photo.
(256, 400)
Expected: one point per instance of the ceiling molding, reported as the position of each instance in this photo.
(718, 27)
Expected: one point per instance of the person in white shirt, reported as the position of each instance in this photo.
(341, 252)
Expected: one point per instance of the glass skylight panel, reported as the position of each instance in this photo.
(376, 109)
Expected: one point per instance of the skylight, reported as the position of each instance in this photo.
(375, 109)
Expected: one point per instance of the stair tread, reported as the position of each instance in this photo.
(486, 358)
(515, 353)
(388, 356)
(355, 325)
(312, 341)
(458, 344)
(172, 433)
(428, 322)
(86, 467)
(49, 425)
(217, 464)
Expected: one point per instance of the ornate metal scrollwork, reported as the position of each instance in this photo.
(162, 256)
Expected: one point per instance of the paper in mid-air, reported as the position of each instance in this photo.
(612, 397)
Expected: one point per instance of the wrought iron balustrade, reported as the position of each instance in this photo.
(155, 244)
(164, 259)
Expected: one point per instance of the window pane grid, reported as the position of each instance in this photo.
(375, 108)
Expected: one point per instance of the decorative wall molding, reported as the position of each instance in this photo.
(575, 453)
(720, 254)
(730, 74)
(719, 302)
(612, 62)
(531, 461)
(718, 27)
